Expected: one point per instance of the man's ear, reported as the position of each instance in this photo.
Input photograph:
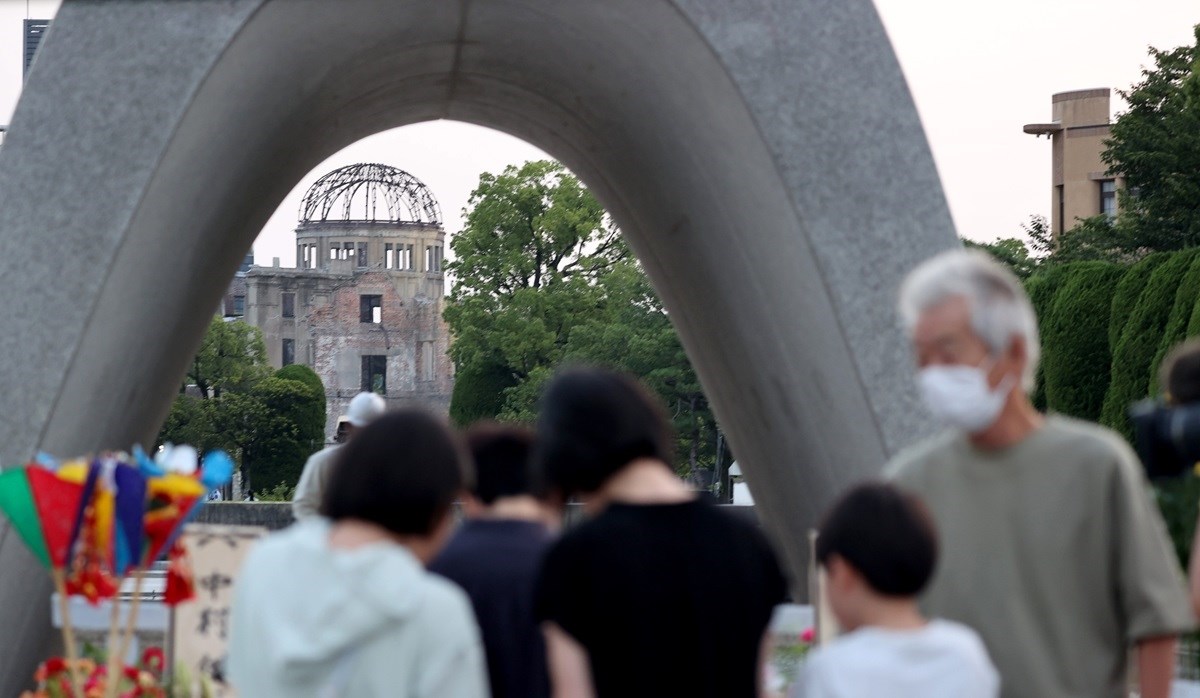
(1018, 351)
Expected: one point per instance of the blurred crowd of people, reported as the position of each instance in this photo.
(1015, 554)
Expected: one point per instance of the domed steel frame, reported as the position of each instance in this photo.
(339, 195)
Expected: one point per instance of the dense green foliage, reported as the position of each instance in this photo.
(268, 423)
(232, 356)
(1074, 339)
(1155, 145)
(1042, 288)
(1011, 252)
(307, 376)
(311, 420)
(275, 447)
(1138, 345)
(543, 278)
(1178, 320)
(479, 390)
(1177, 500)
(1127, 293)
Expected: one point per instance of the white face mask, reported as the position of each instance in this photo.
(961, 397)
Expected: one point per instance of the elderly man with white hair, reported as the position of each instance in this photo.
(1051, 545)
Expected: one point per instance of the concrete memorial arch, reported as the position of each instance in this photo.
(763, 157)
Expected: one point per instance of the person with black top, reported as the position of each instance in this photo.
(495, 554)
(660, 593)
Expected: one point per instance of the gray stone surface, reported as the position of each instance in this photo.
(270, 515)
(763, 158)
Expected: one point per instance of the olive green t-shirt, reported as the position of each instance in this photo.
(1053, 551)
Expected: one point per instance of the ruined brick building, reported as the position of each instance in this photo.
(363, 306)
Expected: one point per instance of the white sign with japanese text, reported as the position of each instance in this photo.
(200, 637)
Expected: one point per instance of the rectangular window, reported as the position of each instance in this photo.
(374, 374)
(35, 30)
(370, 309)
(433, 258)
(289, 352)
(361, 255)
(239, 305)
(333, 252)
(389, 256)
(406, 257)
(288, 301)
(1108, 198)
(1061, 210)
(427, 364)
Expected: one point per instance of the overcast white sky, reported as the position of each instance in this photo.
(978, 72)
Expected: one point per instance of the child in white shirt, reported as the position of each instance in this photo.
(879, 548)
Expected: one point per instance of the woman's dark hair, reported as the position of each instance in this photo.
(501, 453)
(887, 535)
(592, 423)
(402, 472)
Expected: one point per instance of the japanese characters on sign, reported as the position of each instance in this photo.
(201, 628)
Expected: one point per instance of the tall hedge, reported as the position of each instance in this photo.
(1179, 321)
(1042, 288)
(1193, 328)
(479, 393)
(1075, 355)
(1128, 292)
(1140, 338)
(287, 433)
(309, 377)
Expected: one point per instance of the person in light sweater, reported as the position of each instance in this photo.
(879, 549)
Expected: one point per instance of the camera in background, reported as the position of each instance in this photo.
(1167, 437)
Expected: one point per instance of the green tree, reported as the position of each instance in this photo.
(315, 411)
(1095, 239)
(479, 391)
(1011, 252)
(190, 421)
(1076, 360)
(232, 356)
(543, 278)
(278, 432)
(1134, 353)
(269, 423)
(1155, 145)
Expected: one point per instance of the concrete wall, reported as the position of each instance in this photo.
(328, 335)
(412, 335)
(275, 516)
(748, 150)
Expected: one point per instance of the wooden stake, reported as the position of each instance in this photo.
(131, 622)
(116, 662)
(68, 631)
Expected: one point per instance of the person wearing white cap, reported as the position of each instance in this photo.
(364, 409)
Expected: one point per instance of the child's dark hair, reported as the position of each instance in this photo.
(593, 422)
(501, 453)
(402, 472)
(884, 533)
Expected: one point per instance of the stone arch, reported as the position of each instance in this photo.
(764, 159)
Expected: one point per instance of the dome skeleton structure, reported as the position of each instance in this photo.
(369, 192)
